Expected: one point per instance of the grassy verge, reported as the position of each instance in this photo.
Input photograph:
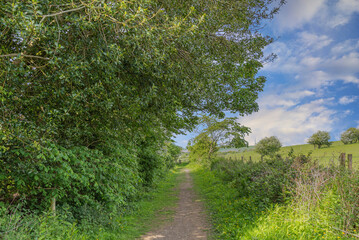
(230, 215)
(151, 212)
(315, 211)
(153, 209)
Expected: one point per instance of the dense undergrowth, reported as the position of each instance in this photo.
(129, 222)
(280, 199)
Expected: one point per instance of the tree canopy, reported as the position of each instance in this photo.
(112, 81)
(268, 146)
(319, 139)
(82, 71)
(351, 135)
(215, 134)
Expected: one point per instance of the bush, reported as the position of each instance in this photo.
(78, 176)
(263, 181)
(281, 199)
(74, 176)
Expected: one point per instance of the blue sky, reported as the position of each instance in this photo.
(314, 82)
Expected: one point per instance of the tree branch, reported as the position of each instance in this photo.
(60, 13)
(23, 55)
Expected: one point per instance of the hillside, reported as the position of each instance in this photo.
(325, 155)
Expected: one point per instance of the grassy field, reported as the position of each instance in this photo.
(325, 155)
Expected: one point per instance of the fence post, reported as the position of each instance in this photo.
(250, 158)
(242, 158)
(342, 160)
(53, 206)
(350, 161)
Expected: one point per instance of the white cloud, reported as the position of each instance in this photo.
(296, 13)
(313, 40)
(349, 6)
(345, 47)
(346, 99)
(308, 61)
(291, 125)
(347, 112)
(323, 13)
(347, 64)
(342, 13)
(286, 99)
(313, 64)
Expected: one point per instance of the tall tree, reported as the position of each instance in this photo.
(319, 139)
(268, 146)
(93, 73)
(215, 134)
(351, 135)
(83, 71)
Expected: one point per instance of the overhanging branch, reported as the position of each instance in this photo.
(23, 55)
(60, 13)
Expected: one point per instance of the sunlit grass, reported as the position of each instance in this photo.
(325, 155)
(235, 217)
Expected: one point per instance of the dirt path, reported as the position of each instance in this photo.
(189, 220)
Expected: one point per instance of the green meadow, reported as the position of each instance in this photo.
(324, 155)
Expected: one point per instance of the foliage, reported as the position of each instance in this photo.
(216, 134)
(317, 202)
(264, 182)
(74, 176)
(268, 146)
(168, 60)
(129, 223)
(173, 153)
(319, 139)
(350, 136)
(201, 149)
(91, 92)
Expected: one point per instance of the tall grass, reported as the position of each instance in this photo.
(280, 199)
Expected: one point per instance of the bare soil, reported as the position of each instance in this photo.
(189, 222)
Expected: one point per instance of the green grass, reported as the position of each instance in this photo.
(230, 216)
(236, 217)
(156, 207)
(325, 155)
(151, 212)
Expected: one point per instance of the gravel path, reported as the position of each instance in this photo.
(189, 221)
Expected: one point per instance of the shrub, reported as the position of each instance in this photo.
(74, 176)
(263, 181)
(282, 199)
